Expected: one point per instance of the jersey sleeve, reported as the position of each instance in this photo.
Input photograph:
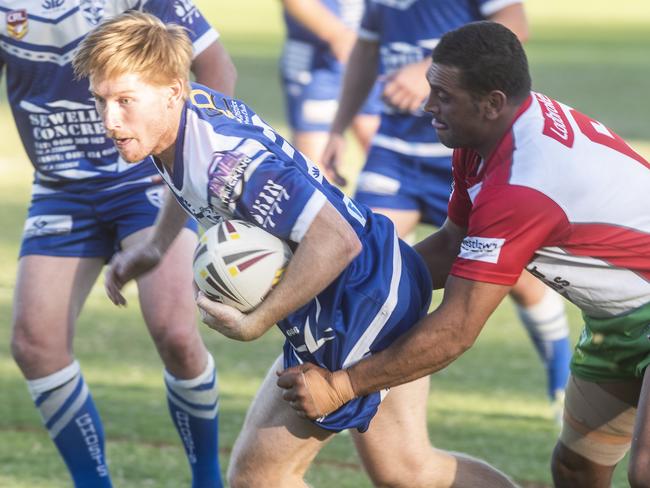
(507, 225)
(186, 14)
(278, 197)
(369, 27)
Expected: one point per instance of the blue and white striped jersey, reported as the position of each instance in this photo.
(230, 164)
(55, 114)
(407, 31)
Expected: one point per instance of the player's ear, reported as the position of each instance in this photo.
(495, 103)
(176, 92)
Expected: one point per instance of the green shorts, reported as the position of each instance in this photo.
(613, 349)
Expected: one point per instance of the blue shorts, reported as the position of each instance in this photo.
(92, 223)
(311, 106)
(360, 306)
(396, 181)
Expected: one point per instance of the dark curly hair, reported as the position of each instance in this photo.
(489, 57)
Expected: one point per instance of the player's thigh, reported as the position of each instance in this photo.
(48, 296)
(275, 446)
(365, 126)
(405, 221)
(311, 108)
(408, 458)
(528, 290)
(311, 144)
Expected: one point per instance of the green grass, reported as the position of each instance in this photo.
(490, 403)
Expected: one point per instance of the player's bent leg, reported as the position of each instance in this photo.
(596, 432)
(639, 467)
(311, 144)
(275, 446)
(542, 312)
(43, 326)
(168, 307)
(364, 127)
(48, 297)
(169, 310)
(409, 460)
(405, 221)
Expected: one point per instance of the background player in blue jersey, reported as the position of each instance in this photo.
(320, 35)
(407, 176)
(87, 203)
(350, 289)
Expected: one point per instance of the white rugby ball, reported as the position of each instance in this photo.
(237, 263)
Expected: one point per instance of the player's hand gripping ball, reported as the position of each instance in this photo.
(238, 263)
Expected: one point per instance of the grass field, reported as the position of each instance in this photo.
(490, 403)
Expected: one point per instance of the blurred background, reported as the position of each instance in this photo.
(491, 403)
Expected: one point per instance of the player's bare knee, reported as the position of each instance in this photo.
(405, 472)
(26, 348)
(177, 340)
(243, 472)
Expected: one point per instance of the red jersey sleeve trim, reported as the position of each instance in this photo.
(459, 271)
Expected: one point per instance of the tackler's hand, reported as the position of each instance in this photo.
(313, 391)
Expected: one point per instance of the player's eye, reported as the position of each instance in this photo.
(125, 101)
(442, 95)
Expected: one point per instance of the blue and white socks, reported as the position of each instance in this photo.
(193, 405)
(70, 416)
(548, 328)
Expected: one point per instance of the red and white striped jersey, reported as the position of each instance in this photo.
(565, 198)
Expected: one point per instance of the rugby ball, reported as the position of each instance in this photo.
(238, 263)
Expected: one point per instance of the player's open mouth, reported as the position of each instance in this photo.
(121, 142)
(439, 125)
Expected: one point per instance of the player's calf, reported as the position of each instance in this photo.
(194, 407)
(70, 416)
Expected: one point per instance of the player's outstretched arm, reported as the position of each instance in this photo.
(429, 346)
(138, 259)
(439, 251)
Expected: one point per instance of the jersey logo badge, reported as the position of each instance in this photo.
(225, 176)
(486, 249)
(52, 4)
(47, 225)
(556, 124)
(268, 204)
(93, 10)
(17, 23)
